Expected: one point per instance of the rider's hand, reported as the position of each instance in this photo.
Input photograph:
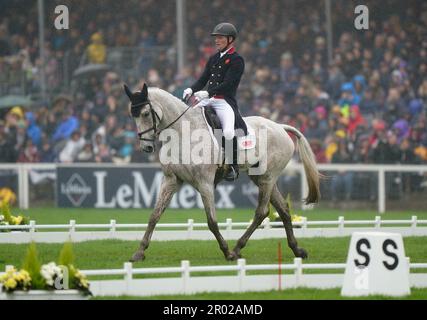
(203, 103)
(201, 95)
(187, 93)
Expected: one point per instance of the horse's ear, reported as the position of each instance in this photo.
(144, 91)
(127, 90)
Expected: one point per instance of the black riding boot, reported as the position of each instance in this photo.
(233, 169)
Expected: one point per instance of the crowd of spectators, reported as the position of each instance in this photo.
(367, 105)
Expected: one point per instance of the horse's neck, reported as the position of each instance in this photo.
(172, 108)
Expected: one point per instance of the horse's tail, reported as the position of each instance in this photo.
(309, 162)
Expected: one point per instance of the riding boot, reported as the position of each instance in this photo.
(233, 169)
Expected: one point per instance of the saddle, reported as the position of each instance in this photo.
(244, 142)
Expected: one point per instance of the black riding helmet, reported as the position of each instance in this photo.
(225, 29)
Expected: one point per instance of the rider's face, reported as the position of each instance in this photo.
(220, 42)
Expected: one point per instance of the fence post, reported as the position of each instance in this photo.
(26, 187)
(304, 225)
(241, 273)
(21, 192)
(228, 227)
(266, 224)
(185, 265)
(113, 228)
(190, 228)
(128, 276)
(72, 229)
(32, 229)
(381, 191)
(298, 271)
(414, 224)
(341, 224)
(377, 222)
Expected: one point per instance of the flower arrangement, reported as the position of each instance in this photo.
(51, 273)
(7, 218)
(15, 280)
(50, 276)
(7, 195)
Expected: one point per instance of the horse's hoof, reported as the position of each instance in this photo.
(138, 256)
(301, 253)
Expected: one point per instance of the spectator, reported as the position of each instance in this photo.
(86, 154)
(33, 130)
(65, 129)
(97, 51)
(29, 153)
(72, 148)
(343, 180)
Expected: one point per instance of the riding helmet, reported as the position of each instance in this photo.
(225, 29)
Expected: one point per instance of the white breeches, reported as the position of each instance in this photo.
(226, 115)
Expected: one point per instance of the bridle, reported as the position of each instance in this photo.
(136, 110)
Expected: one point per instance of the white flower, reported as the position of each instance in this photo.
(50, 272)
(45, 274)
(1, 217)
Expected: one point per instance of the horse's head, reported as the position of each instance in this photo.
(146, 118)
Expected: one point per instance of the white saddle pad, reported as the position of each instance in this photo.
(247, 142)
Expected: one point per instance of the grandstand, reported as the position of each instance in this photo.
(365, 104)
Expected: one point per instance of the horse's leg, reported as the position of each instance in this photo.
(282, 208)
(170, 185)
(261, 212)
(207, 193)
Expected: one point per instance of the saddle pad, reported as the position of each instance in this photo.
(247, 142)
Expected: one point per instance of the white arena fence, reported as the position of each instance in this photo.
(241, 282)
(199, 231)
(23, 170)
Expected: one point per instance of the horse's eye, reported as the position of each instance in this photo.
(146, 114)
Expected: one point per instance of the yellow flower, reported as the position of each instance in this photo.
(11, 271)
(16, 220)
(10, 283)
(24, 273)
(19, 219)
(296, 218)
(18, 277)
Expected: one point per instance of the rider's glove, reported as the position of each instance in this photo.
(187, 93)
(201, 95)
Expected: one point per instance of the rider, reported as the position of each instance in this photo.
(223, 72)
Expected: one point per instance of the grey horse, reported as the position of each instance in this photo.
(154, 109)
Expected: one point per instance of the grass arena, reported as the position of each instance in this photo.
(110, 254)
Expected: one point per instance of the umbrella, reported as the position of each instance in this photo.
(11, 101)
(62, 96)
(91, 69)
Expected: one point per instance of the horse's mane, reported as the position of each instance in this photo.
(157, 94)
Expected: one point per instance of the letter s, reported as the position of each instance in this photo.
(364, 254)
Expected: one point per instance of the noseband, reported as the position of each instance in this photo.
(135, 110)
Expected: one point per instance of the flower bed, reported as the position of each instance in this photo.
(48, 281)
(7, 218)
